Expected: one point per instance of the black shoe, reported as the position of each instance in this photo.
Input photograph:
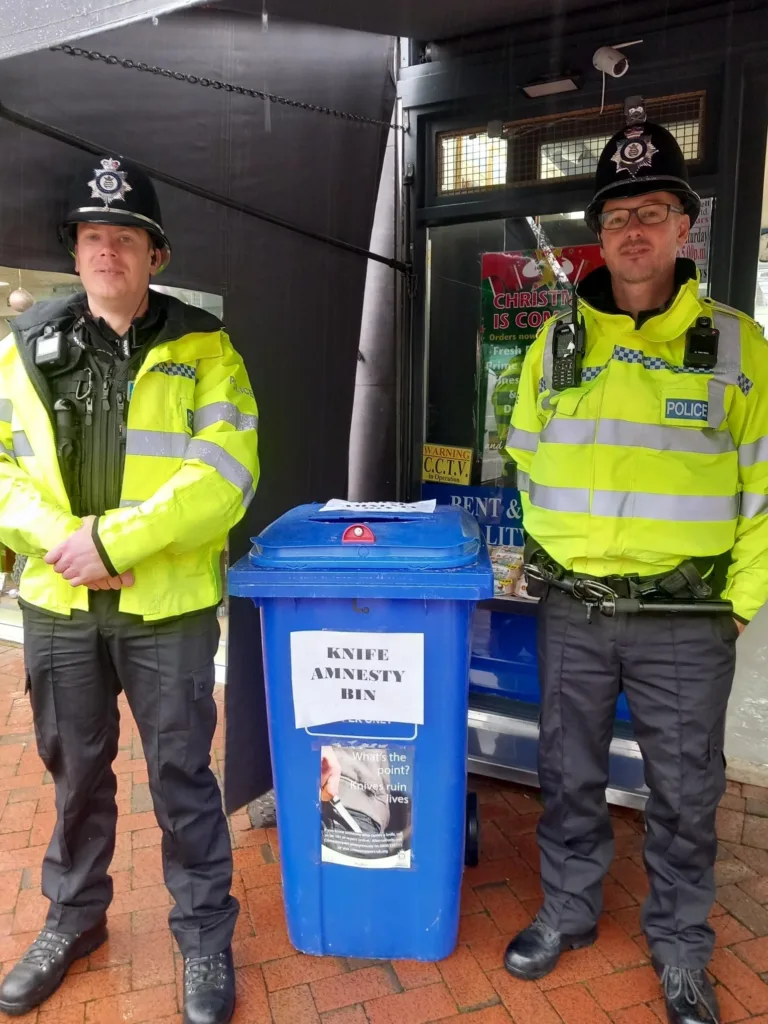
(534, 952)
(209, 988)
(689, 995)
(42, 968)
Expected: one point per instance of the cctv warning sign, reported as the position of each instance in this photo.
(445, 464)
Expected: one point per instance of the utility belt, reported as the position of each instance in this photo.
(683, 590)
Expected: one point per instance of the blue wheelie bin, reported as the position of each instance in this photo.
(366, 615)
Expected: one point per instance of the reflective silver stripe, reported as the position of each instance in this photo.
(128, 503)
(753, 504)
(161, 443)
(523, 480)
(224, 412)
(559, 499)
(756, 451)
(716, 402)
(6, 451)
(6, 410)
(224, 463)
(677, 508)
(548, 357)
(637, 505)
(21, 445)
(626, 434)
(728, 368)
(525, 440)
(569, 431)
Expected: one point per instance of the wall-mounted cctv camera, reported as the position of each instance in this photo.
(610, 61)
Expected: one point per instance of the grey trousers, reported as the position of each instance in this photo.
(676, 672)
(75, 670)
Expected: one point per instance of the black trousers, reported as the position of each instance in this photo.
(676, 672)
(76, 667)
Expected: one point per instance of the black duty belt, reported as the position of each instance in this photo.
(683, 590)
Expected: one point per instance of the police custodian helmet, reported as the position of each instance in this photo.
(641, 158)
(114, 192)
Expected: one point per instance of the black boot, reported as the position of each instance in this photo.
(534, 952)
(209, 988)
(42, 968)
(689, 995)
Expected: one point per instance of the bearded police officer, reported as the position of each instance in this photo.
(128, 449)
(641, 438)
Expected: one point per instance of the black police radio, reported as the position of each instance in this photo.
(569, 343)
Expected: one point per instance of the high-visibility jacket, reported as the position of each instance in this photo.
(648, 463)
(191, 468)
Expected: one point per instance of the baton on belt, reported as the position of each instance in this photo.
(595, 594)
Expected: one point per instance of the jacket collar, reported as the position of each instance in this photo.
(180, 318)
(662, 324)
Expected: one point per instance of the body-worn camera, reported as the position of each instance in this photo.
(51, 350)
(701, 344)
(568, 347)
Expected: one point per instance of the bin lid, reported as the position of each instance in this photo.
(371, 535)
(378, 552)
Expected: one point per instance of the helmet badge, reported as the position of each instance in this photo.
(109, 183)
(635, 151)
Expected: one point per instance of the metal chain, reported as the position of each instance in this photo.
(240, 90)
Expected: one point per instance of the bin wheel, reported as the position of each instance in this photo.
(472, 837)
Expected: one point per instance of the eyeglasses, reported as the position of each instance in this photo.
(652, 213)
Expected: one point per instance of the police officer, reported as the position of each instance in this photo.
(641, 438)
(128, 440)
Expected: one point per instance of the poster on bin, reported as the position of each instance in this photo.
(366, 805)
(520, 291)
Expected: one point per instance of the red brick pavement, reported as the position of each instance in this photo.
(136, 976)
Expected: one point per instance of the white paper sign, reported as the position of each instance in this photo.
(697, 246)
(339, 505)
(369, 677)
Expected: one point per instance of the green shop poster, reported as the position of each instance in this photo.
(520, 292)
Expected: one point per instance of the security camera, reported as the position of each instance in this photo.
(610, 61)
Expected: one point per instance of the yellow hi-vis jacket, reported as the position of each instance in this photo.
(191, 467)
(648, 463)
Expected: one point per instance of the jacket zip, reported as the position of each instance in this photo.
(86, 462)
(122, 431)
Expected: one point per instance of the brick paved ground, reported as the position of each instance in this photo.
(135, 977)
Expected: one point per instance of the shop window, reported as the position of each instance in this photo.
(471, 162)
(548, 148)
